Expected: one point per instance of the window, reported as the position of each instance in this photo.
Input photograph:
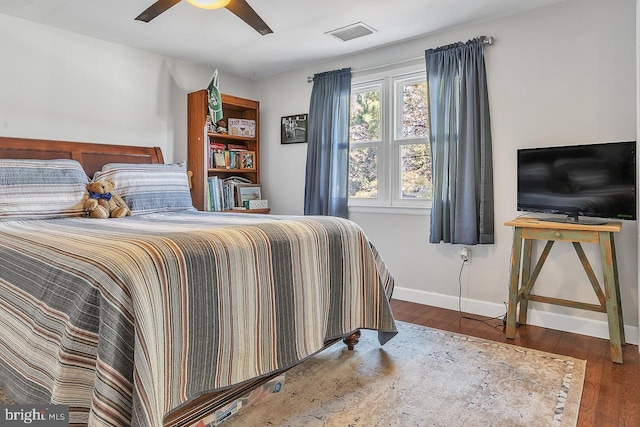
(389, 153)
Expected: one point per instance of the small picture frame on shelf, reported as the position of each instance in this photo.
(219, 160)
(293, 129)
(248, 160)
(248, 192)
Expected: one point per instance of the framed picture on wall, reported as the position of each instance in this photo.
(293, 129)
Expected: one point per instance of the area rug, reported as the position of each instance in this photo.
(424, 377)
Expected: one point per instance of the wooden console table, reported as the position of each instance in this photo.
(526, 230)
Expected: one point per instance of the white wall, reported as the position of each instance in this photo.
(564, 74)
(55, 84)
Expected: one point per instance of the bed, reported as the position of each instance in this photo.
(162, 317)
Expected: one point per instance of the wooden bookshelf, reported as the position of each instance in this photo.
(198, 159)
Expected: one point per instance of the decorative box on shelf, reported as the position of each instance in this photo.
(242, 127)
(256, 204)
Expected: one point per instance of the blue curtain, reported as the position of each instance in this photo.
(460, 131)
(327, 177)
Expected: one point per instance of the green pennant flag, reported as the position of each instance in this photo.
(215, 101)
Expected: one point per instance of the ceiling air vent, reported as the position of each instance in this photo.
(351, 32)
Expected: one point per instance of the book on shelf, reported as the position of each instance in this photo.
(225, 156)
(219, 160)
(226, 194)
(213, 190)
(215, 150)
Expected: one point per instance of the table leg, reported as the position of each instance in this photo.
(612, 293)
(514, 279)
(526, 275)
(617, 284)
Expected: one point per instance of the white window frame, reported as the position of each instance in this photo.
(381, 151)
(388, 149)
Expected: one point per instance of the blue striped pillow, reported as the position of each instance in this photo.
(41, 189)
(148, 188)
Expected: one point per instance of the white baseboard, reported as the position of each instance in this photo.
(561, 322)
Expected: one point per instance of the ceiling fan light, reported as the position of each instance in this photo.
(209, 4)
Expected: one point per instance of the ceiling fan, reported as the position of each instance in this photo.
(239, 7)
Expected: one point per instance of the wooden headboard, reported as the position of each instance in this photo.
(91, 156)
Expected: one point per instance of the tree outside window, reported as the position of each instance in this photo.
(364, 136)
(390, 158)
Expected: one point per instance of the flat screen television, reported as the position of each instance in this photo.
(590, 180)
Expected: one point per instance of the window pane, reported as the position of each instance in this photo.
(365, 116)
(416, 171)
(363, 173)
(415, 123)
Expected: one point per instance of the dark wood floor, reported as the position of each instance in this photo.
(611, 393)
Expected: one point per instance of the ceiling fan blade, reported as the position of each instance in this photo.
(245, 12)
(156, 9)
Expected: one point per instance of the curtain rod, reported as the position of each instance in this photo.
(486, 40)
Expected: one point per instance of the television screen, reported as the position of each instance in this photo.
(591, 180)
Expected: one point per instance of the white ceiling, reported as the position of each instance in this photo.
(218, 39)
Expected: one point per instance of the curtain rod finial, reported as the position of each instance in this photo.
(309, 79)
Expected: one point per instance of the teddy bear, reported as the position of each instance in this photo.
(103, 202)
(221, 126)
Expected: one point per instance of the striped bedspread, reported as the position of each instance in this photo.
(124, 320)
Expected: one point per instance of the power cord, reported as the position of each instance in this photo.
(464, 315)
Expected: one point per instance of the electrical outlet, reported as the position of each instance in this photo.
(465, 254)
